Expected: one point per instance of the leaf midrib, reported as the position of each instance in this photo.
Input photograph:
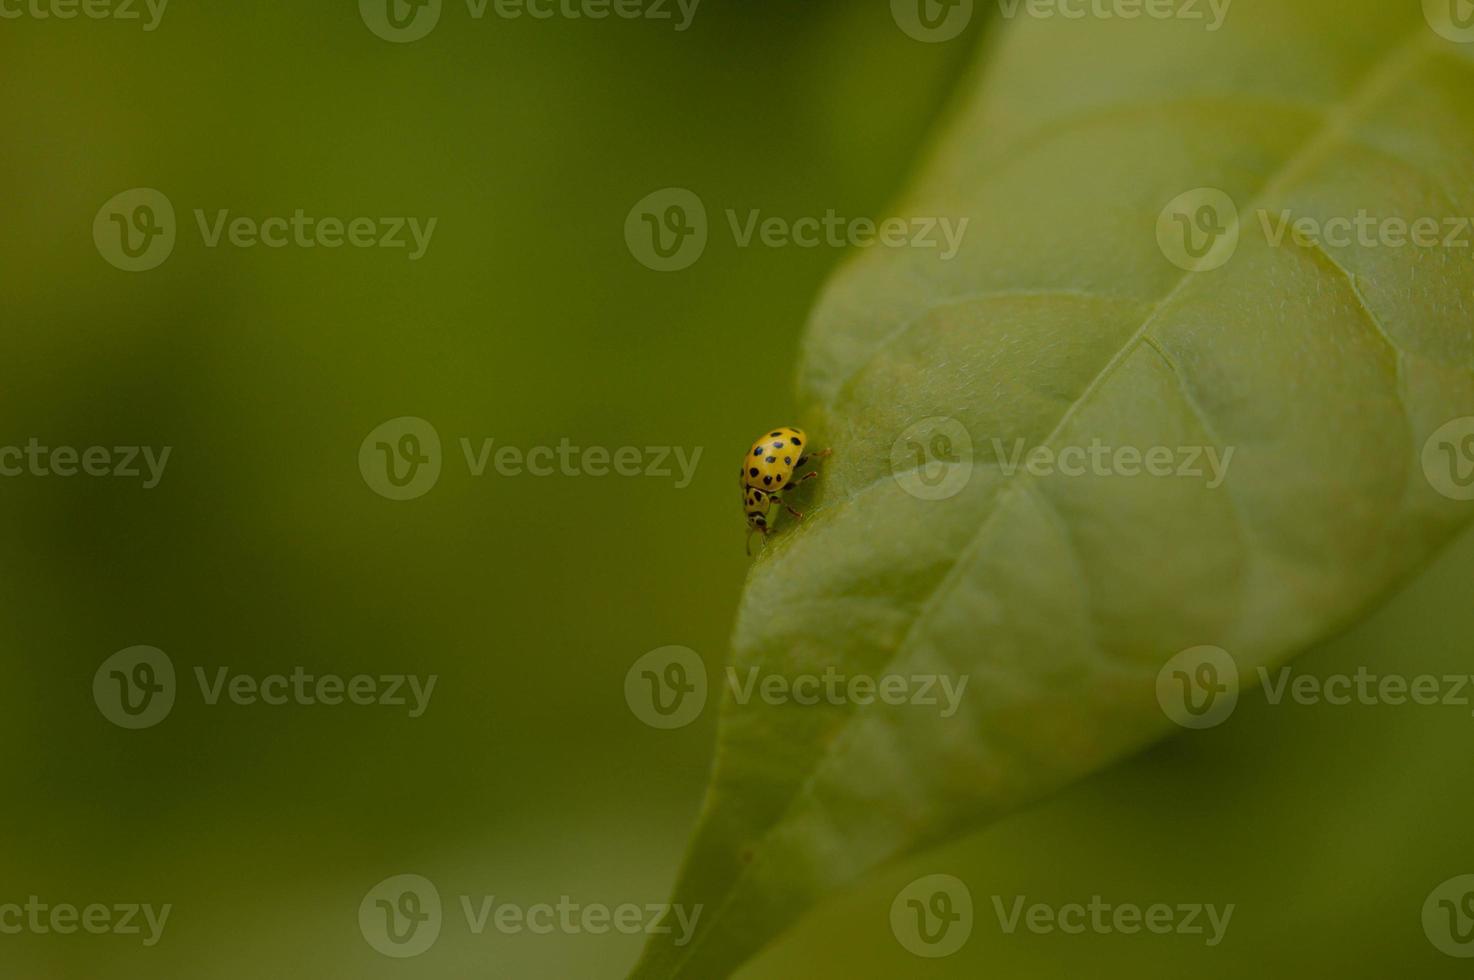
(1382, 72)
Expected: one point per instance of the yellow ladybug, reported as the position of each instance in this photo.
(768, 470)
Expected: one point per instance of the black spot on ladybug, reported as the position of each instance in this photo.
(772, 459)
(758, 451)
(778, 444)
(775, 433)
(797, 441)
(787, 460)
(752, 472)
(767, 480)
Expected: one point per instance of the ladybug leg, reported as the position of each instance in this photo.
(805, 460)
(803, 479)
(796, 515)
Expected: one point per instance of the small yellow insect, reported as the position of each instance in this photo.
(768, 470)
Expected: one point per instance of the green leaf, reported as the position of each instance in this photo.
(1326, 367)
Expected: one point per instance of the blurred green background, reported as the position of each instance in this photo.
(528, 321)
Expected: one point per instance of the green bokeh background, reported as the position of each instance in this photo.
(528, 321)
